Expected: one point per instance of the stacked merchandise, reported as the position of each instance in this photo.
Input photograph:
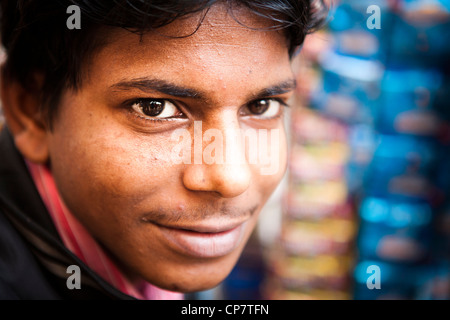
(374, 140)
(315, 254)
(387, 80)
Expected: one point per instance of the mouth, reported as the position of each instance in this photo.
(204, 241)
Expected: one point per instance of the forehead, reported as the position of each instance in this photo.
(223, 45)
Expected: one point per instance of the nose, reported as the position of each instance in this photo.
(229, 173)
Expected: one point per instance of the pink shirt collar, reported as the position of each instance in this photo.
(76, 238)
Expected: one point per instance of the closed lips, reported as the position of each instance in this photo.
(204, 241)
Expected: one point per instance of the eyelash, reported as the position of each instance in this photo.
(128, 105)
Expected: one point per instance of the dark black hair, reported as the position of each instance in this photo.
(36, 39)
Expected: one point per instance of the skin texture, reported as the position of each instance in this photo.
(113, 165)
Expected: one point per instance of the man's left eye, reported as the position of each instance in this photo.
(266, 108)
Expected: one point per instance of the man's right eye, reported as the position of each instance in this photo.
(155, 108)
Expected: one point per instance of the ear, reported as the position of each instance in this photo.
(23, 118)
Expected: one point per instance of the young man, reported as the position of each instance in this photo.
(125, 171)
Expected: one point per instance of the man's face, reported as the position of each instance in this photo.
(115, 146)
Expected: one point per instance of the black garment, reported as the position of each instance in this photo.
(33, 259)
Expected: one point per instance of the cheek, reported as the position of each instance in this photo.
(271, 159)
(108, 170)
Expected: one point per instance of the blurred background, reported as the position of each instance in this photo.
(364, 211)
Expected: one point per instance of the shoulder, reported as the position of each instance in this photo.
(21, 276)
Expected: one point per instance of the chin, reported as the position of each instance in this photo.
(196, 276)
(193, 283)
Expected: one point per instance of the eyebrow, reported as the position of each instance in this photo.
(151, 85)
(278, 89)
(166, 87)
